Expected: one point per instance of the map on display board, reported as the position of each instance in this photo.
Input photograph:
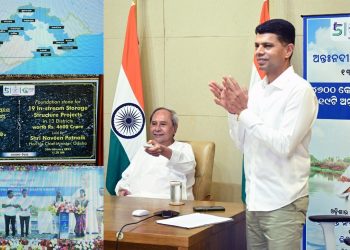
(51, 37)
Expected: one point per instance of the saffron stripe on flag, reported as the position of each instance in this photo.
(131, 57)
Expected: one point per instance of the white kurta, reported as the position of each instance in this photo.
(149, 176)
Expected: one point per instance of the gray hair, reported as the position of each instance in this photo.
(174, 117)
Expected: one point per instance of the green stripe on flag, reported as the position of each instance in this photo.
(118, 161)
(243, 183)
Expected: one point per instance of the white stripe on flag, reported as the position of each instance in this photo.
(126, 95)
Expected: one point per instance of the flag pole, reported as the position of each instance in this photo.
(135, 2)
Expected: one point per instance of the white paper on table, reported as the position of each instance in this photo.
(193, 220)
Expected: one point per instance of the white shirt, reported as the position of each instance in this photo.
(274, 133)
(149, 176)
(25, 203)
(10, 211)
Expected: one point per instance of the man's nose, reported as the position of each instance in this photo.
(259, 50)
(156, 127)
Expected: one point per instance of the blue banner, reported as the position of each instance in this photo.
(327, 68)
(334, 100)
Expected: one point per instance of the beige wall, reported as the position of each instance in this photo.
(186, 43)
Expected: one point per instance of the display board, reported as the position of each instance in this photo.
(53, 191)
(51, 37)
(48, 120)
(326, 67)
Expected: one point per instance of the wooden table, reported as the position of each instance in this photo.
(148, 235)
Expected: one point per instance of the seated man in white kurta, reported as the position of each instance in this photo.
(152, 168)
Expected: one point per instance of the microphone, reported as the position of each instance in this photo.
(163, 213)
(119, 235)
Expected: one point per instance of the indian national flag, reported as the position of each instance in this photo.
(128, 120)
(257, 75)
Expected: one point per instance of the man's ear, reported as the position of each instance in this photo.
(289, 50)
(175, 129)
